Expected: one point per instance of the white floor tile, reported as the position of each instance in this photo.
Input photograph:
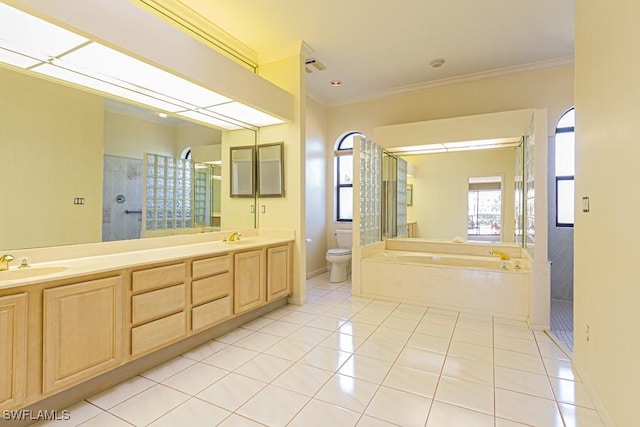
(507, 330)
(399, 407)
(445, 415)
(149, 405)
(428, 327)
(380, 350)
(522, 361)
(273, 406)
(358, 329)
(321, 414)
(365, 368)
(429, 342)
(105, 419)
(257, 341)
(257, 324)
(303, 379)
(390, 335)
(527, 409)
(469, 370)
(233, 336)
(343, 342)
(523, 382)
(501, 422)
(516, 344)
(367, 421)
(195, 378)
(473, 337)
(235, 420)
(421, 359)
(560, 369)
(205, 350)
(465, 350)
(167, 369)
(230, 358)
(310, 335)
(299, 317)
(412, 380)
(194, 412)
(571, 392)
(264, 367)
(347, 392)
(576, 416)
(326, 322)
(121, 392)
(78, 413)
(232, 391)
(325, 358)
(400, 323)
(289, 349)
(280, 328)
(552, 350)
(475, 396)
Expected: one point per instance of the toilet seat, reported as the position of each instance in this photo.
(339, 251)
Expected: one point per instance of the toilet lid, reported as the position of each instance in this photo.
(339, 251)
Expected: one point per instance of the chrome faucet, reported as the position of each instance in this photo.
(4, 261)
(234, 236)
(503, 256)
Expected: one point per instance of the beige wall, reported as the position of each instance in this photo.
(50, 153)
(606, 290)
(131, 137)
(316, 186)
(441, 188)
(550, 89)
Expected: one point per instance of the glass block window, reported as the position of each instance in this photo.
(370, 191)
(168, 192)
(401, 214)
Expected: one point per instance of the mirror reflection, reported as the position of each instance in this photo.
(71, 164)
(445, 190)
(271, 170)
(242, 167)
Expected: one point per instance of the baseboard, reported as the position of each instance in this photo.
(605, 417)
(317, 272)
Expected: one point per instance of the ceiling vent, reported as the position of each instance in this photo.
(312, 65)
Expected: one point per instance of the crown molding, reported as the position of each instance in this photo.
(292, 49)
(499, 72)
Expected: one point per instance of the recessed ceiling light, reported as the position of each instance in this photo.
(437, 62)
(162, 115)
(336, 83)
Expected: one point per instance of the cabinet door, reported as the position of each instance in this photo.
(82, 331)
(13, 350)
(249, 289)
(278, 272)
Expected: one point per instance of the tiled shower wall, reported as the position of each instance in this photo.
(121, 176)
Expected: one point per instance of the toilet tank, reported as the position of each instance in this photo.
(344, 238)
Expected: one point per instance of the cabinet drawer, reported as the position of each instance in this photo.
(158, 277)
(158, 333)
(154, 304)
(211, 266)
(211, 288)
(210, 313)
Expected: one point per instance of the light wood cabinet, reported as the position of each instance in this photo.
(13, 350)
(82, 327)
(249, 290)
(278, 272)
(211, 290)
(158, 307)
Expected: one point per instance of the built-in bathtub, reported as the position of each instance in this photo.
(460, 277)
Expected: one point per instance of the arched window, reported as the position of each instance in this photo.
(344, 177)
(565, 169)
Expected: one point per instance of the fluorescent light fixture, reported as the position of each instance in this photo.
(245, 113)
(210, 119)
(31, 35)
(443, 147)
(39, 46)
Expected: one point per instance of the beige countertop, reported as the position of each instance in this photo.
(77, 267)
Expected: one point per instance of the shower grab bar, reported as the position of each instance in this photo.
(132, 212)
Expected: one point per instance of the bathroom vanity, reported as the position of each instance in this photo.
(93, 315)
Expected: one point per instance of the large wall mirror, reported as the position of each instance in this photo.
(71, 164)
(271, 170)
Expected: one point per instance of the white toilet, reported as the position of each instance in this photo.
(340, 258)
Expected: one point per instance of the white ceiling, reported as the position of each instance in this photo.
(377, 47)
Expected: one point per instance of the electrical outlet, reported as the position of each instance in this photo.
(587, 332)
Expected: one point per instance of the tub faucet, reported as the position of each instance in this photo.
(503, 256)
(234, 236)
(4, 261)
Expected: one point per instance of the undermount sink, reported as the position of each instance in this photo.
(25, 273)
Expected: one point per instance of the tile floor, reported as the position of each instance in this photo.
(344, 361)
(562, 322)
